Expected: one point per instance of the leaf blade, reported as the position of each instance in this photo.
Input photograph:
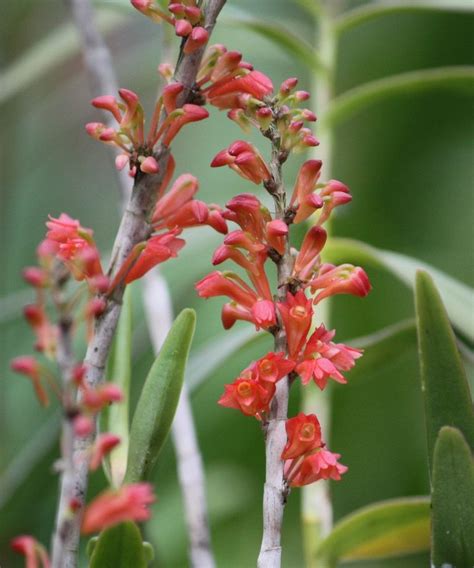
(457, 297)
(159, 398)
(119, 546)
(444, 382)
(453, 501)
(388, 528)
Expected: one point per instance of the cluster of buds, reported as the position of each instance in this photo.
(185, 16)
(229, 83)
(136, 149)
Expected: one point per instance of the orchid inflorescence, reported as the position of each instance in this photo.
(69, 252)
(261, 236)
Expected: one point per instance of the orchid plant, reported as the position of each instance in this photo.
(285, 273)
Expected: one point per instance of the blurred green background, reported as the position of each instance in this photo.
(408, 162)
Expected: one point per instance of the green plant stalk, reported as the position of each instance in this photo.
(316, 510)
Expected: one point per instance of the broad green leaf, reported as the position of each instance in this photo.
(452, 501)
(117, 415)
(119, 547)
(458, 78)
(372, 10)
(294, 45)
(159, 398)
(389, 528)
(457, 297)
(48, 53)
(444, 384)
(208, 358)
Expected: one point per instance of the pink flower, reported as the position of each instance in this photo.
(30, 367)
(248, 396)
(308, 257)
(129, 503)
(104, 444)
(271, 368)
(35, 554)
(344, 279)
(303, 197)
(322, 359)
(304, 436)
(296, 313)
(321, 465)
(245, 160)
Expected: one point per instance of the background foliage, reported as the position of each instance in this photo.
(407, 160)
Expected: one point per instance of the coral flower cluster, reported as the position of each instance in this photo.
(185, 16)
(310, 354)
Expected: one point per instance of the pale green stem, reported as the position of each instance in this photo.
(316, 509)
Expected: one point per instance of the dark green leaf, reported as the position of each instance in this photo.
(444, 383)
(452, 501)
(159, 397)
(389, 528)
(119, 547)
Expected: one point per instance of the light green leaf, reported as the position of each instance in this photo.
(206, 360)
(389, 528)
(372, 10)
(159, 398)
(458, 78)
(117, 415)
(457, 297)
(452, 501)
(294, 45)
(119, 547)
(444, 384)
(46, 54)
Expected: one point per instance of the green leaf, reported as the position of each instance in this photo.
(367, 12)
(388, 528)
(49, 52)
(206, 360)
(457, 297)
(119, 547)
(458, 78)
(452, 501)
(117, 415)
(294, 45)
(443, 378)
(159, 398)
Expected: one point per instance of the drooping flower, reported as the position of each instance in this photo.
(245, 160)
(322, 359)
(308, 257)
(30, 367)
(323, 464)
(104, 444)
(35, 554)
(129, 503)
(304, 436)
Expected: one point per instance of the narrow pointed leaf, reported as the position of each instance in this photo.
(390, 528)
(117, 415)
(372, 10)
(159, 398)
(119, 547)
(294, 45)
(445, 388)
(452, 501)
(457, 297)
(457, 78)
